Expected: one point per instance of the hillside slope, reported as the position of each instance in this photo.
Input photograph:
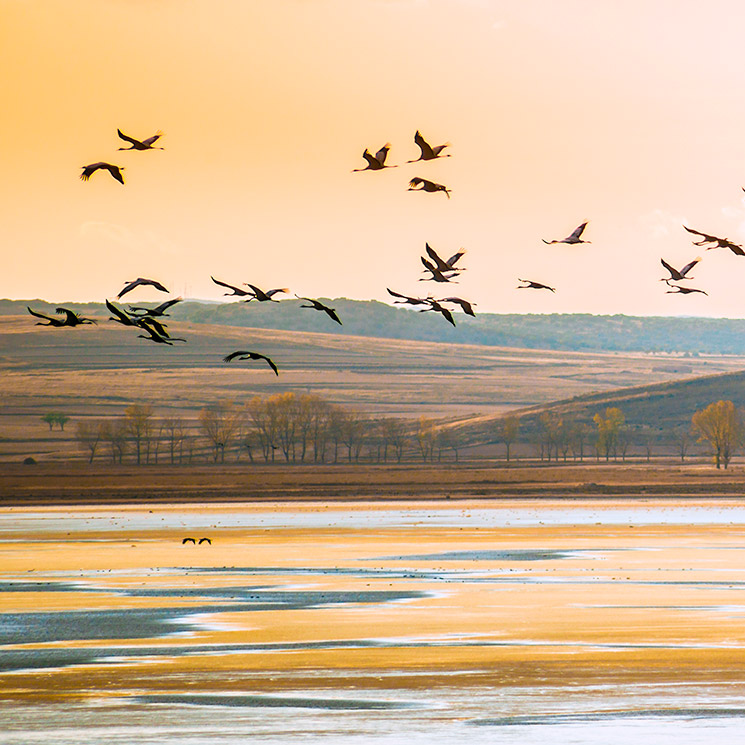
(578, 332)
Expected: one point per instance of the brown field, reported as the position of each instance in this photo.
(98, 371)
(80, 483)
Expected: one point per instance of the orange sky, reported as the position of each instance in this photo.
(627, 114)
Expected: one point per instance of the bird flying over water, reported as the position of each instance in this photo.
(573, 237)
(141, 281)
(427, 151)
(318, 305)
(375, 162)
(243, 355)
(720, 242)
(147, 144)
(115, 171)
(530, 285)
(426, 185)
(678, 275)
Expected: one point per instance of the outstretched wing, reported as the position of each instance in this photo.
(371, 159)
(455, 258)
(127, 138)
(236, 290)
(152, 323)
(687, 268)
(40, 315)
(674, 272)
(443, 266)
(150, 140)
(382, 154)
(577, 232)
(331, 313)
(696, 232)
(447, 315)
(427, 152)
(233, 355)
(269, 362)
(70, 316)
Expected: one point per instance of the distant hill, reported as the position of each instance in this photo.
(660, 407)
(577, 332)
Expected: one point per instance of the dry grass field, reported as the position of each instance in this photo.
(96, 371)
(80, 483)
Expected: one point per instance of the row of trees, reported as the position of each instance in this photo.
(285, 426)
(303, 428)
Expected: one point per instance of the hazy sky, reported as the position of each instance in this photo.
(626, 113)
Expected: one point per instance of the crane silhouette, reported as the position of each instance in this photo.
(318, 305)
(262, 296)
(441, 264)
(405, 299)
(236, 290)
(442, 310)
(158, 311)
(147, 144)
(244, 355)
(466, 307)
(530, 285)
(115, 171)
(682, 290)
(153, 335)
(375, 162)
(423, 184)
(573, 237)
(437, 275)
(720, 242)
(427, 152)
(71, 319)
(140, 281)
(678, 275)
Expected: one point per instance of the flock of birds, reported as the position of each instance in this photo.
(150, 320)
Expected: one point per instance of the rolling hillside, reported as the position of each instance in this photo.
(577, 332)
(659, 408)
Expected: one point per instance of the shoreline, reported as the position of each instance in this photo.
(68, 484)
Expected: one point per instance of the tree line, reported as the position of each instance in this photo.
(305, 428)
(285, 427)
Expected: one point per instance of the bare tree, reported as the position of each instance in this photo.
(89, 435)
(219, 424)
(683, 441)
(173, 429)
(508, 433)
(139, 428)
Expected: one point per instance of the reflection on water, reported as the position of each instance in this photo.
(451, 635)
